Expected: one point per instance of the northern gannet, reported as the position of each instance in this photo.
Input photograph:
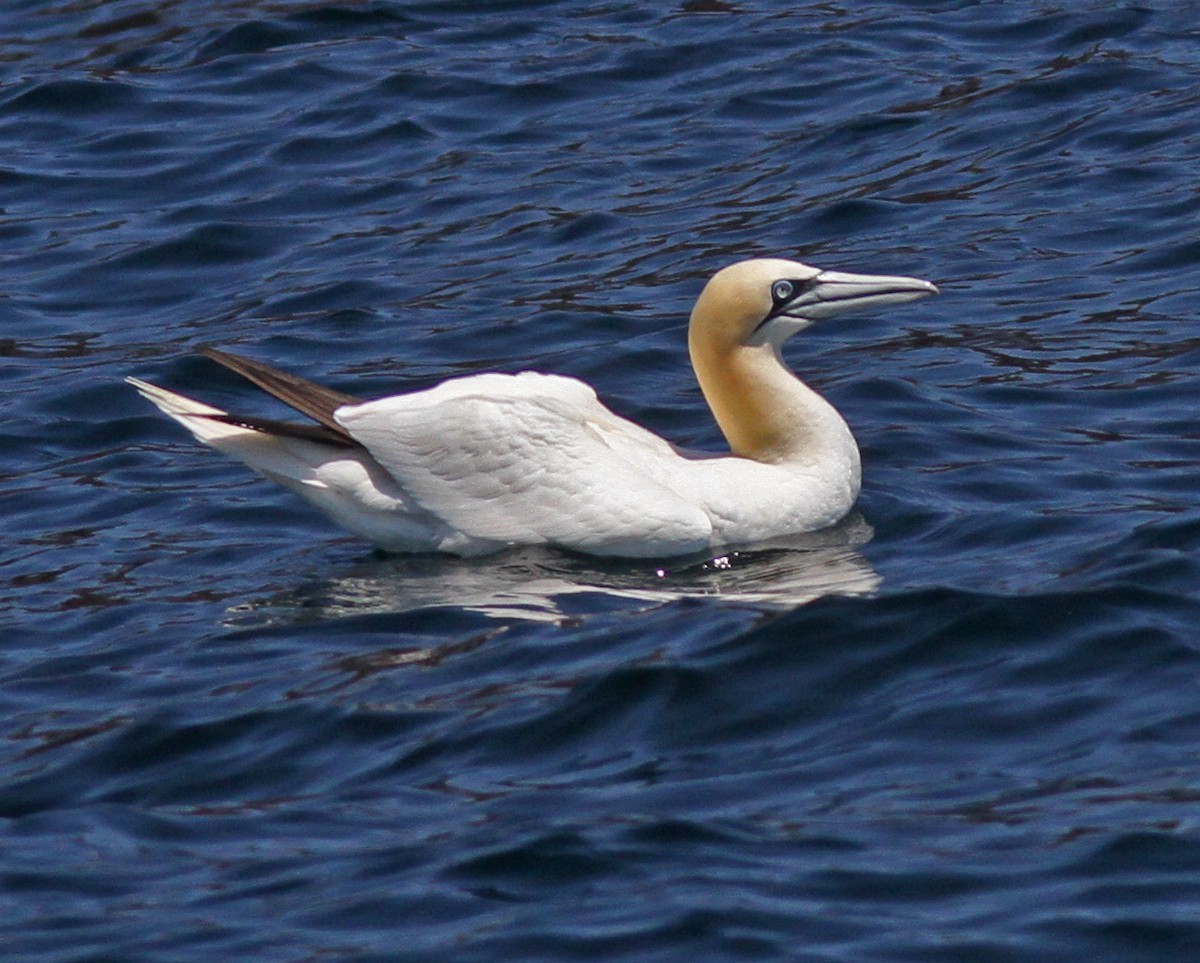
(487, 461)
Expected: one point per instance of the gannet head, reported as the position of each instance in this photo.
(767, 300)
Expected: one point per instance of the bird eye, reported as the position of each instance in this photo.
(781, 290)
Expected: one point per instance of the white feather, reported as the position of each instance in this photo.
(529, 459)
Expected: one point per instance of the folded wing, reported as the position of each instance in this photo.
(530, 458)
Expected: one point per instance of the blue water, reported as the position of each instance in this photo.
(966, 727)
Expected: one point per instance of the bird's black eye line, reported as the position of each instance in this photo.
(783, 293)
(785, 290)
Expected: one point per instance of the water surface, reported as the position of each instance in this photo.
(963, 728)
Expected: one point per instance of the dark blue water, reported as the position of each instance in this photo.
(967, 730)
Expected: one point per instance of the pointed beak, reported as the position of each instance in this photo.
(832, 292)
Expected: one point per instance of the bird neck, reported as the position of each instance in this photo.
(765, 412)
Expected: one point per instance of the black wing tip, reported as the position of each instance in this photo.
(253, 370)
(216, 354)
(307, 397)
(288, 429)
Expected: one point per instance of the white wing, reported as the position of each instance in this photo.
(527, 459)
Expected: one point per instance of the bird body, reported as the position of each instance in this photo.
(487, 461)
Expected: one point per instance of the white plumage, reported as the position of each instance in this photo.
(488, 461)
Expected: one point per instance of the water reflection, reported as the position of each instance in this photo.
(541, 585)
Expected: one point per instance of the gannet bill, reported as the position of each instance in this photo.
(488, 461)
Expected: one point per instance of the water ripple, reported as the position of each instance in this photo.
(960, 728)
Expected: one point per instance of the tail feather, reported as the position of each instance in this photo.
(204, 421)
(340, 479)
(290, 456)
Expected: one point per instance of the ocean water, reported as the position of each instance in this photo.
(965, 726)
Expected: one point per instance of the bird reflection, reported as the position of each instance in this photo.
(538, 584)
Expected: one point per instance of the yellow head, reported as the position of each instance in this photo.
(767, 300)
(741, 320)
